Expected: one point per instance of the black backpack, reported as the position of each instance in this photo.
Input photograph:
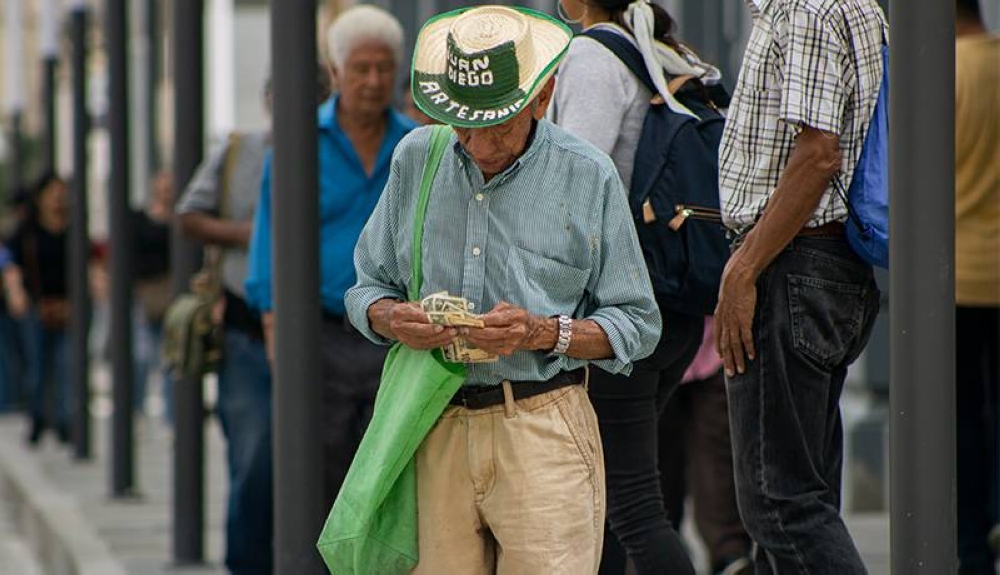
(675, 190)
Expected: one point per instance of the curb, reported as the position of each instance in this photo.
(50, 520)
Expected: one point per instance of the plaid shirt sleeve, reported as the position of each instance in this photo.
(813, 91)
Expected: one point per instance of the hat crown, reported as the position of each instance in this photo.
(487, 28)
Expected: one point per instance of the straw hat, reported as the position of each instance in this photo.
(478, 67)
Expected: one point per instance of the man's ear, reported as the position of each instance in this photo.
(334, 79)
(543, 98)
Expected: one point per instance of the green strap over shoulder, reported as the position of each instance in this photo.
(440, 136)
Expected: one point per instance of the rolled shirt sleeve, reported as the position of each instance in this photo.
(259, 274)
(621, 295)
(375, 261)
(813, 92)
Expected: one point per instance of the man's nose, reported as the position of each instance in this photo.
(480, 143)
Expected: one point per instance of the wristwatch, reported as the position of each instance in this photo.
(565, 335)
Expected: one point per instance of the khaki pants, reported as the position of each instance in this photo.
(515, 489)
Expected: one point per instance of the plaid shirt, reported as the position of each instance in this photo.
(814, 63)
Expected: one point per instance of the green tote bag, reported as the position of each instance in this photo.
(372, 527)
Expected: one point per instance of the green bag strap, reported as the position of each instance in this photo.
(440, 136)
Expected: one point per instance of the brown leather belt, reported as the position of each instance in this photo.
(481, 397)
(834, 229)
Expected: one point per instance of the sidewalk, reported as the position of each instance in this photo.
(62, 511)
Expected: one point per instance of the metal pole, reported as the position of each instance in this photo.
(122, 448)
(49, 102)
(300, 506)
(49, 23)
(922, 304)
(15, 179)
(80, 238)
(189, 417)
(152, 81)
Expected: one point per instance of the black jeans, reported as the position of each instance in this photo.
(352, 367)
(816, 304)
(977, 339)
(628, 412)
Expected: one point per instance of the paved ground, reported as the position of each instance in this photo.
(133, 537)
(136, 531)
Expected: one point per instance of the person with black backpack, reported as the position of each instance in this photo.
(628, 87)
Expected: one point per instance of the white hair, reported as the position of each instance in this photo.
(359, 24)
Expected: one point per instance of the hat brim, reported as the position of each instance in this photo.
(551, 40)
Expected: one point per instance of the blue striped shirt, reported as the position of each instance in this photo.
(552, 234)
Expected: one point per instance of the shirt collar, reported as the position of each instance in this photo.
(540, 134)
(327, 117)
(327, 113)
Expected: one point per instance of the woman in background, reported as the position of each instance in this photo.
(39, 249)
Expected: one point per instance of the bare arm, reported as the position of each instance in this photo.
(17, 297)
(212, 230)
(814, 161)
(510, 328)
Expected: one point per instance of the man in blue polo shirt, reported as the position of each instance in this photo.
(358, 132)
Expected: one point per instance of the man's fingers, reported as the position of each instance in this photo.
(746, 334)
(736, 349)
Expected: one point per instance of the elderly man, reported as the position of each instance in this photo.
(531, 226)
(358, 132)
(796, 304)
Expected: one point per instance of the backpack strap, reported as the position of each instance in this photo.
(629, 55)
(626, 52)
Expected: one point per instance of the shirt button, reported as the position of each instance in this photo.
(476, 251)
(472, 306)
(479, 197)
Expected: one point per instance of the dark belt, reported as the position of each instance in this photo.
(481, 397)
(834, 229)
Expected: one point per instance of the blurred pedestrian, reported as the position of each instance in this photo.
(153, 287)
(531, 225)
(358, 131)
(977, 286)
(696, 461)
(39, 249)
(797, 304)
(217, 210)
(599, 99)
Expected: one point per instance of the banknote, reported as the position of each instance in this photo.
(444, 309)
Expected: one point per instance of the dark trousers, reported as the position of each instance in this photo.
(977, 339)
(629, 412)
(696, 460)
(244, 408)
(352, 367)
(816, 304)
(48, 381)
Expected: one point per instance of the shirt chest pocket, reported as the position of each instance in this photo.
(542, 285)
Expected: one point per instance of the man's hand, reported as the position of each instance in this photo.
(409, 325)
(507, 329)
(734, 315)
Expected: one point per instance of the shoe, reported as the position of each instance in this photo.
(62, 432)
(738, 566)
(35, 433)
